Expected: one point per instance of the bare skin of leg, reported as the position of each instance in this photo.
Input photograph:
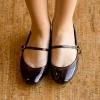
(40, 32)
(63, 33)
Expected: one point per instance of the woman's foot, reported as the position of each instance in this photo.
(64, 35)
(38, 38)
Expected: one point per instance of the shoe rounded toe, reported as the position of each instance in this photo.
(29, 74)
(64, 74)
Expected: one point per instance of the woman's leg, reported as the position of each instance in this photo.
(63, 32)
(40, 32)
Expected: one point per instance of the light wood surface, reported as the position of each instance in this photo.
(14, 27)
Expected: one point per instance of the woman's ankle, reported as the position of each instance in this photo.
(62, 27)
(63, 33)
(42, 30)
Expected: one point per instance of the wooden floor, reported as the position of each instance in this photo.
(14, 27)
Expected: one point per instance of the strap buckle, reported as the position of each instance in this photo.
(79, 50)
(23, 47)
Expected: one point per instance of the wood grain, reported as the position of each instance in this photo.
(14, 27)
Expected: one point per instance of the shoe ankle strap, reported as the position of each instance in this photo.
(67, 46)
(34, 48)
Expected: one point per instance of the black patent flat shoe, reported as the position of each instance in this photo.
(64, 74)
(29, 74)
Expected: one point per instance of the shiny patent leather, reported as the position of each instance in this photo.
(64, 74)
(29, 74)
